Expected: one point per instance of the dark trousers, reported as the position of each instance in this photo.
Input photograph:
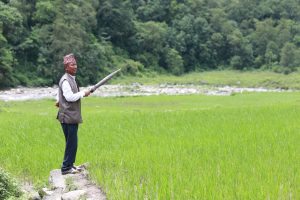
(70, 131)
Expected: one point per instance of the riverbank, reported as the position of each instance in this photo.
(135, 89)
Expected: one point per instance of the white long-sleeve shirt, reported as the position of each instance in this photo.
(68, 94)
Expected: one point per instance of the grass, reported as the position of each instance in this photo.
(222, 78)
(244, 146)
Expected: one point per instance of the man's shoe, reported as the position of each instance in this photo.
(78, 168)
(70, 171)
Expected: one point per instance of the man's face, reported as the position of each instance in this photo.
(71, 68)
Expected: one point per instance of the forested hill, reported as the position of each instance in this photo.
(167, 36)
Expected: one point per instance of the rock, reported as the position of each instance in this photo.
(56, 195)
(34, 196)
(135, 84)
(29, 192)
(56, 179)
(84, 165)
(45, 192)
(82, 182)
(73, 195)
(203, 82)
(70, 184)
(19, 91)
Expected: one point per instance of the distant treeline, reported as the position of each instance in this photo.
(143, 36)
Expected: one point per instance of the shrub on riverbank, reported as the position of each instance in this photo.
(8, 186)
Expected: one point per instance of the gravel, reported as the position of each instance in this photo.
(135, 89)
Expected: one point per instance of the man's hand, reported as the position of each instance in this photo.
(87, 93)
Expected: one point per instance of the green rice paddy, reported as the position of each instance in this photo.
(243, 146)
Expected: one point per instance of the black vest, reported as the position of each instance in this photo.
(69, 112)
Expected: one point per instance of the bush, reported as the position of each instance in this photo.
(283, 70)
(132, 67)
(236, 62)
(128, 66)
(8, 186)
(174, 62)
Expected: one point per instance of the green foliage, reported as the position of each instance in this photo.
(115, 21)
(8, 186)
(272, 54)
(283, 70)
(10, 26)
(45, 12)
(290, 56)
(173, 36)
(11, 23)
(6, 60)
(236, 62)
(174, 62)
(151, 36)
(156, 10)
(131, 67)
(128, 66)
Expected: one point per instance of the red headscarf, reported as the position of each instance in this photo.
(68, 59)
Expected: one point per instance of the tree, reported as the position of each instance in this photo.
(11, 21)
(10, 28)
(272, 54)
(173, 61)
(69, 32)
(265, 32)
(45, 12)
(150, 37)
(189, 36)
(284, 32)
(243, 10)
(236, 62)
(288, 56)
(156, 10)
(174, 36)
(115, 22)
(6, 61)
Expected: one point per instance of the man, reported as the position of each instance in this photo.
(69, 114)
